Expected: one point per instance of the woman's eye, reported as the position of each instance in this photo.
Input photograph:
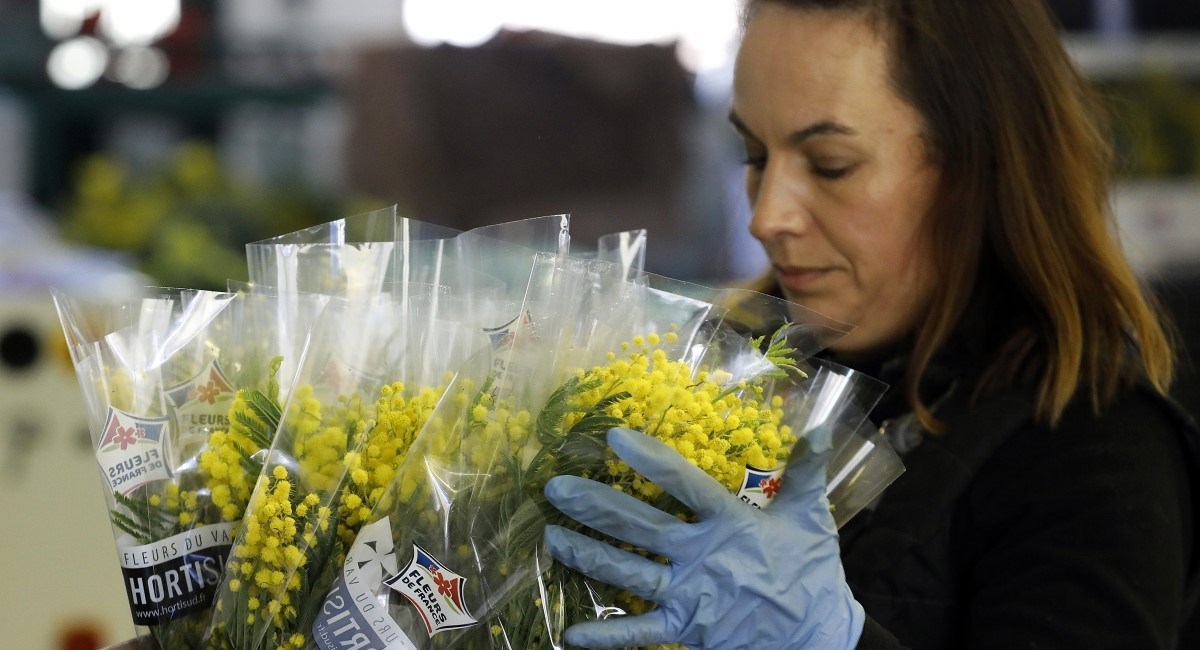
(832, 173)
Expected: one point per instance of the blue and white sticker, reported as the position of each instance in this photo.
(354, 614)
(436, 592)
(759, 486)
(132, 450)
(502, 339)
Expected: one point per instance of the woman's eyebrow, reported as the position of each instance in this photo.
(824, 127)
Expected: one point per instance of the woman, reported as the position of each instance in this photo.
(936, 172)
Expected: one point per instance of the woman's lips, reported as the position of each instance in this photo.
(799, 278)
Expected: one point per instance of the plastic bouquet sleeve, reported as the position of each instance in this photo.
(286, 317)
(456, 560)
(162, 374)
(484, 304)
(735, 404)
(460, 488)
(372, 372)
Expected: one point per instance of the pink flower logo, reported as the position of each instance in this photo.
(127, 436)
(445, 587)
(206, 393)
(770, 487)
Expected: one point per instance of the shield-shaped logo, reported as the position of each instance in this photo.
(505, 335)
(201, 407)
(209, 387)
(759, 486)
(131, 450)
(518, 331)
(436, 592)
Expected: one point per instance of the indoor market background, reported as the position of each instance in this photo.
(147, 141)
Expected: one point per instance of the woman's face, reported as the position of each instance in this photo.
(836, 173)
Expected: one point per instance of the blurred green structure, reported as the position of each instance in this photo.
(186, 223)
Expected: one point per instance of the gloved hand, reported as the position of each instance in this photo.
(738, 578)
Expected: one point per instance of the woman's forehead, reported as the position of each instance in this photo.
(808, 65)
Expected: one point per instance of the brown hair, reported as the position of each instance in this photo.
(1021, 224)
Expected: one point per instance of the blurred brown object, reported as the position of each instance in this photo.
(80, 636)
(526, 125)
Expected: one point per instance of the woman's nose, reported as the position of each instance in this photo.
(777, 207)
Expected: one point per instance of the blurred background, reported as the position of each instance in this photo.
(147, 141)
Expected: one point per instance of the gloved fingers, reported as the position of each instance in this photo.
(614, 513)
(605, 563)
(671, 472)
(804, 477)
(651, 628)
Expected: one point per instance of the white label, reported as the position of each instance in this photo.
(192, 541)
(132, 451)
(353, 615)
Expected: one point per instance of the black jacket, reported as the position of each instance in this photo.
(1005, 534)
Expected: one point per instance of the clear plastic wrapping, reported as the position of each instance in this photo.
(350, 449)
(367, 383)
(377, 365)
(457, 560)
(161, 374)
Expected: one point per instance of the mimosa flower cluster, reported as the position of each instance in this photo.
(718, 426)
(231, 461)
(300, 520)
(381, 448)
(719, 423)
(269, 568)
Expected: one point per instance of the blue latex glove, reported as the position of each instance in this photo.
(738, 578)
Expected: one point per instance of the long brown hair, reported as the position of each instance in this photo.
(1022, 226)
